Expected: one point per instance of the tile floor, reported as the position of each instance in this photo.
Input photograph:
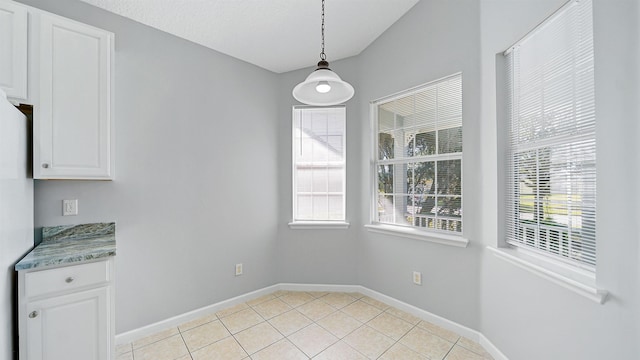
(305, 325)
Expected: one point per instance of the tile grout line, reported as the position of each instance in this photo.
(337, 307)
(315, 322)
(267, 321)
(285, 336)
(398, 341)
(304, 327)
(354, 330)
(239, 331)
(185, 343)
(321, 327)
(448, 352)
(470, 350)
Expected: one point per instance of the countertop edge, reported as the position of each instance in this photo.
(69, 260)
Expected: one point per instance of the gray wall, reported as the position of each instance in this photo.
(196, 173)
(433, 40)
(318, 256)
(531, 318)
(176, 161)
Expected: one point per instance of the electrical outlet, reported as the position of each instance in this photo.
(238, 269)
(417, 278)
(69, 207)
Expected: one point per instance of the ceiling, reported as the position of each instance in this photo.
(278, 35)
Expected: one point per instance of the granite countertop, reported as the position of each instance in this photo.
(68, 244)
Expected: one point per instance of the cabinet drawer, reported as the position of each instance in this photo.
(65, 278)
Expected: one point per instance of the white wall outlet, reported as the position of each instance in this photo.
(69, 207)
(238, 269)
(417, 278)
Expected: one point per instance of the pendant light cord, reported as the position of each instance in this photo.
(322, 55)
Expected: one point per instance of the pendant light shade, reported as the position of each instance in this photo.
(323, 87)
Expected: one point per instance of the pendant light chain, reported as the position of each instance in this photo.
(323, 87)
(322, 55)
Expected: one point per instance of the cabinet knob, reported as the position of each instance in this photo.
(69, 279)
(33, 314)
(45, 166)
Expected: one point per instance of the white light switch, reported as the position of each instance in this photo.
(69, 207)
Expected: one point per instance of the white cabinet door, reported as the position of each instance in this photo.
(13, 49)
(70, 327)
(72, 126)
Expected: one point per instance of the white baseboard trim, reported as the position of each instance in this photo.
(491, 349)
(319, 287)
(139, 333)
(424, 315)
(474, 335)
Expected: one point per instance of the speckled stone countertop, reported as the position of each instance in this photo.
(69, 244)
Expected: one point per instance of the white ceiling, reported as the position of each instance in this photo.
(278, 35)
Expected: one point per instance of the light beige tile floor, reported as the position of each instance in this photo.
(305, 325)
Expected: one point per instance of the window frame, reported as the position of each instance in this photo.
(579, 279)
(513, 150)
(324, 223)
(434, 235)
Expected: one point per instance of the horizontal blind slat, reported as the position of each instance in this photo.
(551, 177)
(419, 162)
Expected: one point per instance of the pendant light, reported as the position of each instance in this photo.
(323, 87)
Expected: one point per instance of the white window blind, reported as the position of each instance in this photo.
(551, 186)
(418, 175)
(319, 154)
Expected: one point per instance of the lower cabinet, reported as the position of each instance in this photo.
(67, 313)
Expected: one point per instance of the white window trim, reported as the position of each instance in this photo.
(574, 277)
(417, 234)
(318, 225)
(580, 281)
(374, 226)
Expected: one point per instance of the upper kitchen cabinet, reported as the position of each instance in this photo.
(73, 128)
(13, 49)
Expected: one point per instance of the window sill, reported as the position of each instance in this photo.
(579, 281)
(410, 233)
(316, 225)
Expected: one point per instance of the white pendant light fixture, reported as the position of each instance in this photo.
(323, 87)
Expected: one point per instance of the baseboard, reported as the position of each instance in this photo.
(474, 335)
(491, 349)
(413, 310)
(139, 333)
(423, 314)
(320, 287)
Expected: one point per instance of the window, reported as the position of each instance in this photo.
(319, 155)
(551, 184)
(418, 165)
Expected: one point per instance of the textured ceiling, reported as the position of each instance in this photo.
(278, 35)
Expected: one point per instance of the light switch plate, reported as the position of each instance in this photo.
(69, 207)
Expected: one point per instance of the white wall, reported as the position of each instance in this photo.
(196, 173)
(528, 317)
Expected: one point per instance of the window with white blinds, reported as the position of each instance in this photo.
(319, 154)
(418, 167)
(551, 185)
